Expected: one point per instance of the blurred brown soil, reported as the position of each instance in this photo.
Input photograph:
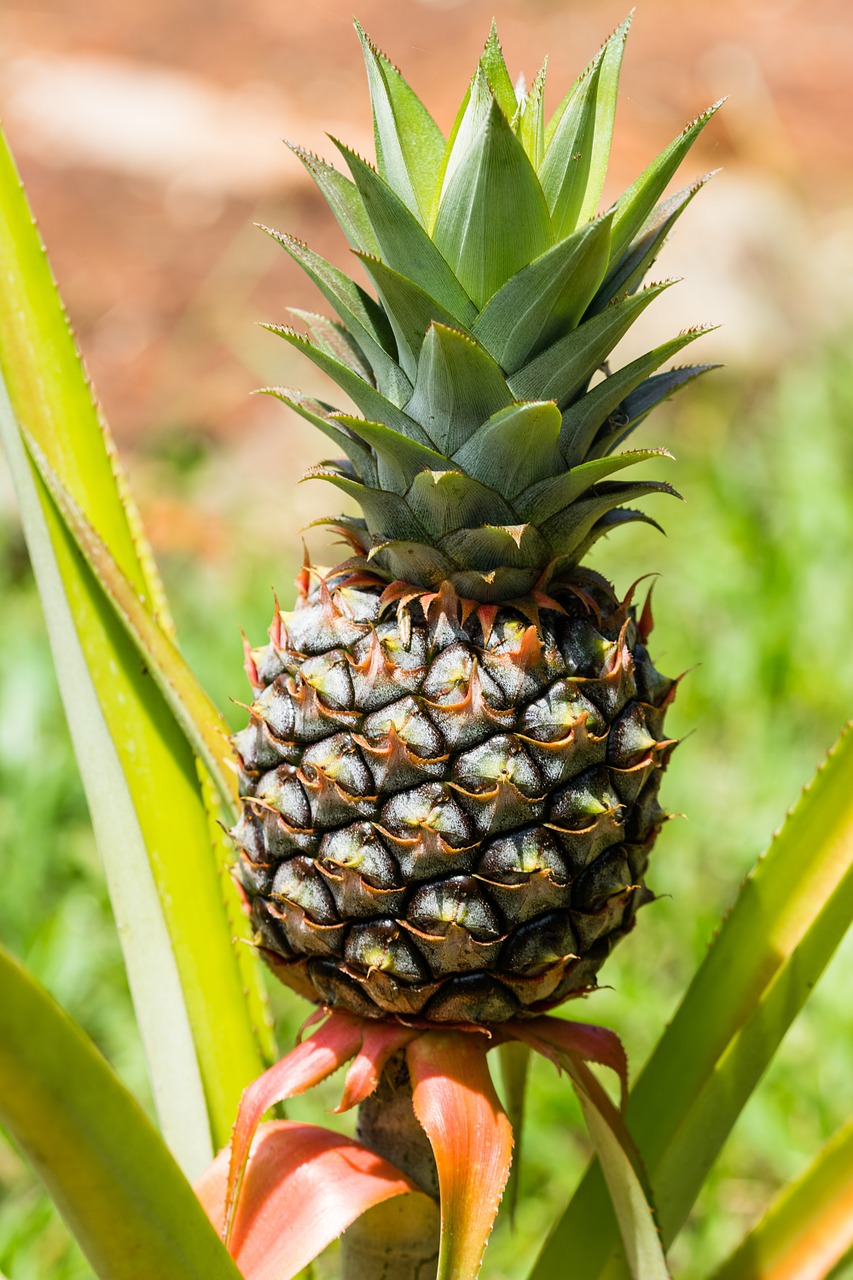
(164, 274)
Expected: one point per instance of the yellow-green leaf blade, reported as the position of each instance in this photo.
(808, 1228)
(138, 771)
(203, 726)
(111, 1175)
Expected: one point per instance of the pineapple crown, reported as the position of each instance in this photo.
(487, 445)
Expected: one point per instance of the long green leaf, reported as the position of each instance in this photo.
(402, 241)
(174, 910)
(635, 205)
(563, 369)
(112, 1177)
(493, 217)
(645, 1257)
(202, 724)
(546, 298)
(808, 1228)
(409, 144)
(565, 170)
(790, 916)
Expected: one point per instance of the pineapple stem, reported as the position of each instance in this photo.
(398, 1240)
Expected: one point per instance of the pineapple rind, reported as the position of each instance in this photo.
(445, 825)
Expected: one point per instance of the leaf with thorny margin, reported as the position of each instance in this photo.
(106, 1167)
(304, 1187)
(455, 1101)
(202, 724)
(189, 983)
(808, 1228)
(789, 917)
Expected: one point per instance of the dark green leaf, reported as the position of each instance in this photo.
(364, 396)
(446, 500)
(635, 205)
(410, 310)
(409, 144)
(402, 241)
(541, 501)
(639, 403)
(628, 270)
(514, 448)
(562, 371)
(568, 529)
(493, 217)
(514, 1059)
(546, 298)
(458, 388)
(582, 421)
(318, 415)
(342, 197)
(399, 458)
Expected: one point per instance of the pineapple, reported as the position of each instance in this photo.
(450, 777)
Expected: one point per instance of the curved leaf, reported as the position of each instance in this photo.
(329, 1047)
(202, 724)
(790, 915)
(109, 1172)
(455, 1101)
(458, 387)
(175, 915)
(304, 1187)
(634, 205)
(583, 419)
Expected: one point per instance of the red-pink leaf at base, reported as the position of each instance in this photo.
(379, 1041)
(471, 1138)
(304, 1186)
(554, 1037)
(330, 1046)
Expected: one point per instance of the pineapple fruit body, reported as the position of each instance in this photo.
(451, 772)
(442, 824)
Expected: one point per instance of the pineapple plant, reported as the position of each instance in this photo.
(450, 775)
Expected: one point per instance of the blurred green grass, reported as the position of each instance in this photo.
(755, 594)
